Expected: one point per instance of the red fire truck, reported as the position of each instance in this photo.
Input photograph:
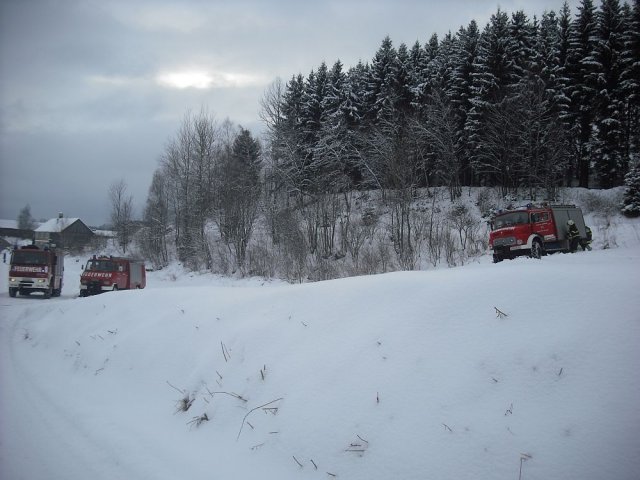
(533, 230)
(108, 274)
(36, 268)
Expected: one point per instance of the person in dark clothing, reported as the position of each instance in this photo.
(585, 243)
(573, 235)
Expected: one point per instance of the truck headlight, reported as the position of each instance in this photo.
(13, 280)
(42, 280)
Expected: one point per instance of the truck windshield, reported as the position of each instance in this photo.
(101, 266)
(510, 219)
(25, 257)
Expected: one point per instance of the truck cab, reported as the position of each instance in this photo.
(36, 268)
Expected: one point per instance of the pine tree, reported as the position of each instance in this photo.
(631, 199)
(522, 35)
(381, 91)
(417, 75)
(494, 73)
(290, 148)
(630, 82)
(610, 163)
(464, 57)
(563, 93)
(25, 220)
(238, 189)
(580, 69)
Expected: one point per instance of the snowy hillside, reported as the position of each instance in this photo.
(407, 375)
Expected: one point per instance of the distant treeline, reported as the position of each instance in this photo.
(531, 103)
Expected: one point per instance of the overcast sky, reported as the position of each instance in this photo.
(92, 90)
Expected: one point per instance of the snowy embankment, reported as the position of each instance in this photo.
(407, 375)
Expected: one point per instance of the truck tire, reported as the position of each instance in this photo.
(536, 249)
(13, 292)
(497, 258)
(115, 288)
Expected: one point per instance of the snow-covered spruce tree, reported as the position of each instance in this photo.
(608, 145)
(462, 78)
(631, 79)
(631, 199)
(579, 68)
(237, 187)
(494, 71)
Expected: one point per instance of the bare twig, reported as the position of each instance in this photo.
(199, 420)
(174, 387)
(294, 457)
(499, 313)
(509, 410)
(446, 427)
(314, 463)
(523, 458)
(231, 394)
(253, 410)
(225, 352)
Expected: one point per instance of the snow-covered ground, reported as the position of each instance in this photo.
(410, 375)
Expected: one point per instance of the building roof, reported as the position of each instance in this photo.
(56, 225)
(9, 224)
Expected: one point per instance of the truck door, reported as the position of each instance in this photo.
(542, 224)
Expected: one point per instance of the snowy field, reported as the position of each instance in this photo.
(409, 375)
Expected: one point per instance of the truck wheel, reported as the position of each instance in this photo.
(497, 258)
(536, 249)
(13, 292)
(115, 288)
(48, 292)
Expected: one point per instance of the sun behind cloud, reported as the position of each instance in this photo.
(185, 79)
(201, 79)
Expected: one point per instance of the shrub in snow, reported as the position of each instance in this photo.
(631, 199)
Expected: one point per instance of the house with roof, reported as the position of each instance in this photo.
(64, 232)
(9, 229)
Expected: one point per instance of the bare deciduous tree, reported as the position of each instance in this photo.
(121, 213)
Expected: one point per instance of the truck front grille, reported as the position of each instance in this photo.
(504, 242)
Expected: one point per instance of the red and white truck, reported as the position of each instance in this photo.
(533, 230)
(108, 274)
(36, 268)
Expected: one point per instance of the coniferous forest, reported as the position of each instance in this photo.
(520, 106)
(521, 102)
